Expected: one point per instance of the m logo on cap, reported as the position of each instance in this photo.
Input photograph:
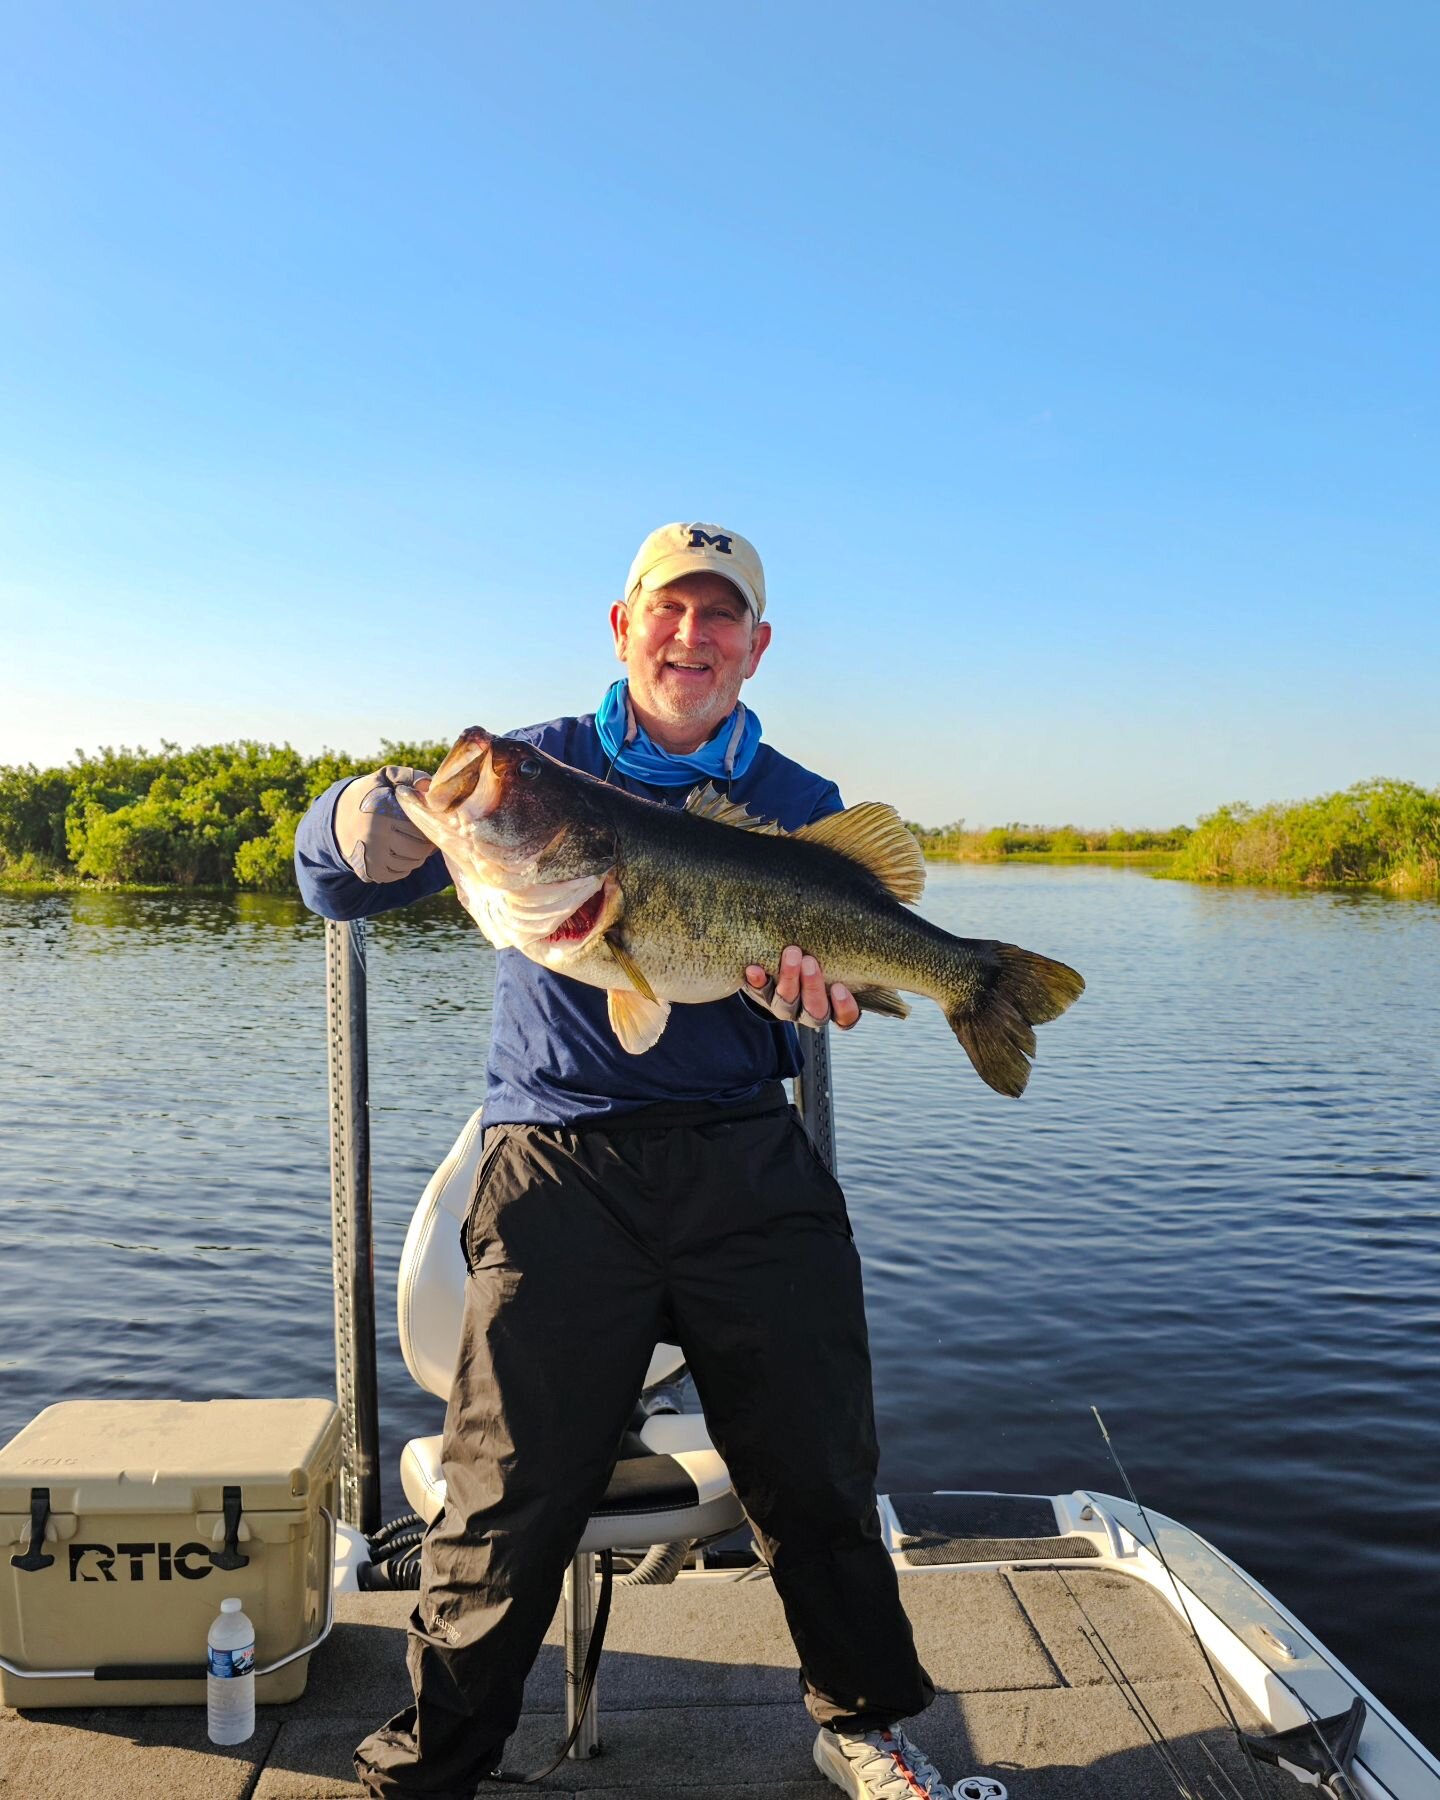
(699, 539)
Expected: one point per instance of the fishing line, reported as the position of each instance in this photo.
(1164, 1564)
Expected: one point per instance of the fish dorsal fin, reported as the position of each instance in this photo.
(707, 802)
(874, 835)
(636, 1021)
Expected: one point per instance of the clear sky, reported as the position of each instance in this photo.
(1074, 367)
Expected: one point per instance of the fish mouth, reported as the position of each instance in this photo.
(459, 776)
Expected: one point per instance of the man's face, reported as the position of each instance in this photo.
(686, 648)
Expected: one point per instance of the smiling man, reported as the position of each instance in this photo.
(625, 1200)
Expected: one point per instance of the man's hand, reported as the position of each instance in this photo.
(798, 993)
(375, 837)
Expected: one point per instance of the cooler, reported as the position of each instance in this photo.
(125, 1523)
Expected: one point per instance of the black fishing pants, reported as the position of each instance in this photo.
(720, 1230)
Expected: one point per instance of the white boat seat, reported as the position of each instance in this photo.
(673, 1486)
(676, 1487)
(431, 1286)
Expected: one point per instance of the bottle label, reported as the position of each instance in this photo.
(226, 1663)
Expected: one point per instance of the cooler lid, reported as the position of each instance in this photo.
(133, 1455)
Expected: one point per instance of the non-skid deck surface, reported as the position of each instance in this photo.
(699, 1700)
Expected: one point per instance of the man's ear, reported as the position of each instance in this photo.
(759, 644)
(620, 626)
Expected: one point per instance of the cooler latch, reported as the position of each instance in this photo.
(229, 1555)
(34, 1558)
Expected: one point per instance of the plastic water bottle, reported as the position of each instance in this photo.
(230, 1684)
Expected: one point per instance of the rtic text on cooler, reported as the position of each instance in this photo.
(191, 1562)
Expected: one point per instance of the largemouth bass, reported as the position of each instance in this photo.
(661, 906)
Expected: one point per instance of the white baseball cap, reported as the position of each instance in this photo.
(688, 549)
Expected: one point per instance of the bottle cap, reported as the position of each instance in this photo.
(229, 1606)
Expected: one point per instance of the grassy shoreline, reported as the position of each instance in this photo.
(1071, 858)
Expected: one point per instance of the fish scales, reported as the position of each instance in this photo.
(703, 900)
(661, 906)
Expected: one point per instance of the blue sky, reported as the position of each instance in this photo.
(1073, 367)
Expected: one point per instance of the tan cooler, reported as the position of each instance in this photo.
(125, 1523)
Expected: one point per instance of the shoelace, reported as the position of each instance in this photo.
(892, 1766)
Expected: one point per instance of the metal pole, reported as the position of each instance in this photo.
(579, 1625)
(814, 1096)
(354, 1259)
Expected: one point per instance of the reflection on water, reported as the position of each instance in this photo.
(1214, 1214)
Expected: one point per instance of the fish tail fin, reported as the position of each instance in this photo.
(995, 1025)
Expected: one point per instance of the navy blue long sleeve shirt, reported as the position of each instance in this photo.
(554, 1059)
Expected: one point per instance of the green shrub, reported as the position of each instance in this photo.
(269, 862)
(1378, 833)
(215, 815)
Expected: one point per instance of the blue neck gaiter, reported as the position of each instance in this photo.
(724, 757)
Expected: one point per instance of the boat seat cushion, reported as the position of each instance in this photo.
(678, 1487)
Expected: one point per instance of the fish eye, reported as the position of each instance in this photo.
(529, 767)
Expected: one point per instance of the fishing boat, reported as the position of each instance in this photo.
(1082, 1645)
(1090, 1645)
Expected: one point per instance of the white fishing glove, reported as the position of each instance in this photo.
(788, 1012)
(375, 837)
(810, 1002)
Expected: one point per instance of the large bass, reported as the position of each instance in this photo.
(662, 906)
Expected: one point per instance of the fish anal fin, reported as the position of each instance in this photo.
(631, 967)
(875, 836)
(636, 1021)
(707, 802)
(882, 1000)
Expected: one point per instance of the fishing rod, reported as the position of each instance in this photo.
(1164, 1748)
(1296, 1746)
(1179, 1595)
(1161, 1747)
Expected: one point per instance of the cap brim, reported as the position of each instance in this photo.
(694, 562)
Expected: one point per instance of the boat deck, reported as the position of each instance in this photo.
(698, 1697)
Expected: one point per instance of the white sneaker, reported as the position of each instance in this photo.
(878, 1765)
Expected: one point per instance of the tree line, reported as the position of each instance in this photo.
(1379, 833)
(224, 816)
(220, 815)
(954, 843)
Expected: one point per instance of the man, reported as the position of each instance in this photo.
(624, 1200)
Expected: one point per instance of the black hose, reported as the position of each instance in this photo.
(389, 1577)
(403, 1540)
(383, 1533)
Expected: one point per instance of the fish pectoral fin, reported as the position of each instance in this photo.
(875, 836)
(707, 802)
(636, 1021)
(630, 966)
(881, 1000)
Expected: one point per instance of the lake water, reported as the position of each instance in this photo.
(1215, 1214)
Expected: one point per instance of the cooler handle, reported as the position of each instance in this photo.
(191, 1671)
(230, 1555)
(35, 1558)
